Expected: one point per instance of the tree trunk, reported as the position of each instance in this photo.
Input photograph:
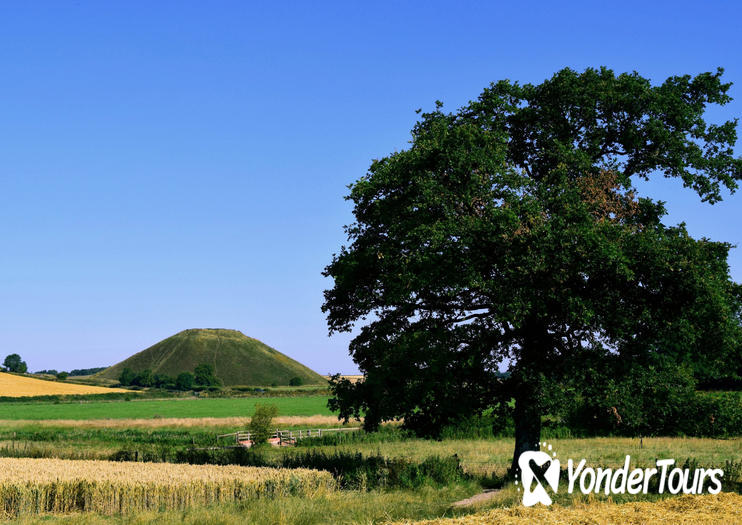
(527, 425)
(528, 382)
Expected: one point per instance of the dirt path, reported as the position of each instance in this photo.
(477, 498)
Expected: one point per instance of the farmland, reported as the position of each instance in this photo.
(158, 408)
(376, 482)
(32, 486)
(484, 461)
(20, 386)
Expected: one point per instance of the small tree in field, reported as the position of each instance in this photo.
(13, 363)
(261, 422)
(296, 381)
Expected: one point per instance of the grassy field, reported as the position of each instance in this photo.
(493, 456)
(12, 385)
(238, 422)
(165, 408)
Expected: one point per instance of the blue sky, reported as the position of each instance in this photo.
(169, 165)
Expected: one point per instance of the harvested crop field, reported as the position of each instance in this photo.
(20, 386)
(683, 510)
(34, 486)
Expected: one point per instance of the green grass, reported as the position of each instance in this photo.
(492, 456)
(237, 359)
(168, 408)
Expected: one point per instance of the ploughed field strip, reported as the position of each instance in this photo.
(34, 486)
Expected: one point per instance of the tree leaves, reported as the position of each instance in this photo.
(511, 224)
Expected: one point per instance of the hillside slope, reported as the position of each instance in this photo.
(237, 359)
(12, 385)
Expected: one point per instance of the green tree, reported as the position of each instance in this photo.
(144, 378)
(509, 234)
(62, 375)
(296, 381)
(184, 381)
(204, 375)
(261, 421)
(13, 363)
(163, 381)
(127, 377)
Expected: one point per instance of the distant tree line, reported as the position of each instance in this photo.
(86, 371)
(202, 377)
(74, 372)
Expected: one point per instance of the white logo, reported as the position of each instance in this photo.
(540, 471)
(534, 478)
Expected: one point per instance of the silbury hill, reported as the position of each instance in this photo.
(237, 359)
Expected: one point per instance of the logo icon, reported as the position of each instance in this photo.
(538, 471)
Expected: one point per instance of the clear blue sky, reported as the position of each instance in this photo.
(168, 165)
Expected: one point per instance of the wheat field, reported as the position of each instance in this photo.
(20, 386)
(683, 510)
(35, 486)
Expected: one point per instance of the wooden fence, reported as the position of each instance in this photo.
(284, 437)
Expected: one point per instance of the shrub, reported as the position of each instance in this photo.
(260, 423)
(62, 376)
(296, 381)
(246, 457)
(351, 470)
(356, 471)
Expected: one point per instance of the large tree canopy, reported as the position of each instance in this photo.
(509, 233)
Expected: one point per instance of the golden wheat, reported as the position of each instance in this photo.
(32, 486)
(21, 386)
(684, 510)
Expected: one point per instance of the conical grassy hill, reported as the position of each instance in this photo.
(237, 359)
